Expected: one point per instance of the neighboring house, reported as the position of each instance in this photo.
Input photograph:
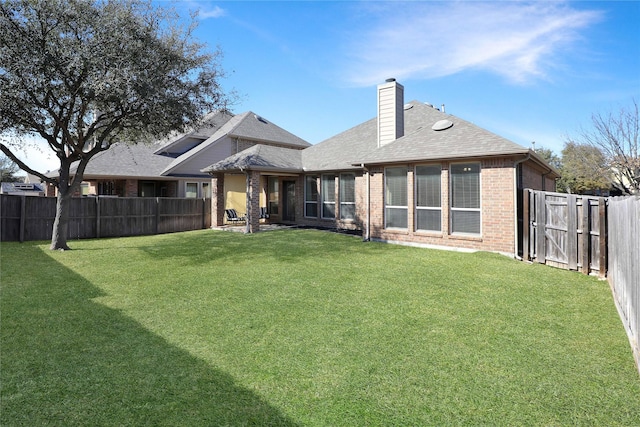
(413, 174)
(172, 168)
(22, 188)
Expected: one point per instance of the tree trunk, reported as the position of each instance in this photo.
(61, 223)
(63, 204)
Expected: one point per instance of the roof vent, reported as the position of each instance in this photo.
(442, 125)
(260, 119)
(408, 107)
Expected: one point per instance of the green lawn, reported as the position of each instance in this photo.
(304, 328)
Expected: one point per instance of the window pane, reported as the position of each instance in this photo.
(465, 186)
(328, 188)
(428, 186)
(192, 190)
(311, 209)
(396, 186)
(428, 219)
(347, 188)
(396, 217)
(311, 189)
(465, 222)
(347, 210)
(328, 210)
(272, 189)
(206, 190)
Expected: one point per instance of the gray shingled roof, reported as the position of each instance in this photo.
(136, 160)
(210, 124)
(261, 158)
(358, 145)
(245, 126)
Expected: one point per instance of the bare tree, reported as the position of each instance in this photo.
(8, 169)
(616, 136)
(85, 74)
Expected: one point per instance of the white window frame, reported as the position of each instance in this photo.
(426, 208)
(404, 207)
(453, 209)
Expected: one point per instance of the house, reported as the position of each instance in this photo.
(22, 188)
(413, 174)
(172, 168)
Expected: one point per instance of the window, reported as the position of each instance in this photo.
(192, 190)
(465, 198)
(272, 190)
(311, 196)
(395, 201)
(428, 198)
(206, 190)
(347, 196)
(328, 195)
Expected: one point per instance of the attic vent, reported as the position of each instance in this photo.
(408, 107)
(260, 119)
(442, 125)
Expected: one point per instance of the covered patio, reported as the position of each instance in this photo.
(261, 179)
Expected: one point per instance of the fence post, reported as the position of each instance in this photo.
(540, 227)
(525, 225)
(572, 231)
(586, 235)
(23, 214)
(157, 225)
(604, 259)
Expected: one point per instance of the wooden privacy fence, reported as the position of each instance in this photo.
(31, 218)
(565, 230)
(624, 264)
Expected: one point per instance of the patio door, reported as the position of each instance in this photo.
(289, 201)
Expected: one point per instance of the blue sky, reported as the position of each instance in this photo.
(528, 71)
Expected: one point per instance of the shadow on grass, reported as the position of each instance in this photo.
(69, 361)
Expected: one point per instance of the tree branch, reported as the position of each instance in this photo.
(26, 168)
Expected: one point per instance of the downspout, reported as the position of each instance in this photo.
(515, 204)
(247, 200)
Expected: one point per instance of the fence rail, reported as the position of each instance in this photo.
(31, 218)
(624, 264)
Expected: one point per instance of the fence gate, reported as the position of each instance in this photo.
(565, 230)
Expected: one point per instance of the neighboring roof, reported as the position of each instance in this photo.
(130, 160)
(244, 126)
(261, 158)
(458, 139)
(210, 124)
(21, 187)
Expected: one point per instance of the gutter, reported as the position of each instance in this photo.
(515, 204)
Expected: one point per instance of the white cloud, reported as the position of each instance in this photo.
(212, 12)
(518, 40)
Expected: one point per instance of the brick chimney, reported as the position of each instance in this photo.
(390, 111)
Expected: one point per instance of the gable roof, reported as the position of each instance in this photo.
(247, 126)
(261, 158)
(359, 145)
(210, 124)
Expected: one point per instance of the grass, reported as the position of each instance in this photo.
(304, 328)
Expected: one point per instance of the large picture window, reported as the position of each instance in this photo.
(347, 196)
(428, 198)
(395, 200)
(465, 198)
(311, 196)
(328, 195)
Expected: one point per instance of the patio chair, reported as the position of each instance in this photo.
(233, 217)
(263, 213)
